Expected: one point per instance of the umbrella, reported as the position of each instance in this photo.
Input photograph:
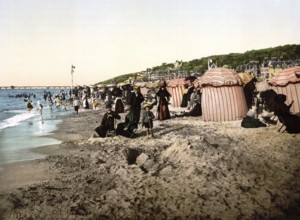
(286, 76)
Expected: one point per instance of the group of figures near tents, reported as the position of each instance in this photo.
(133, 101)
(219, 95)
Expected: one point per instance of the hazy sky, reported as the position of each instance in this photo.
(41, 39)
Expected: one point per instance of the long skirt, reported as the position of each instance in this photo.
(101, 131)
(126, 133)
(119, 106)
(163, 111)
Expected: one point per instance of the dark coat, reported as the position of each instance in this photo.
(136, 100)
(127, 128)
(107, 123)
(163, 112)
(119, 106)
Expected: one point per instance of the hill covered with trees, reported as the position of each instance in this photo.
(232, 60)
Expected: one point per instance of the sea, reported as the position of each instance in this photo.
(22, 130)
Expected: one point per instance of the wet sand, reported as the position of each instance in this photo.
(191, 170)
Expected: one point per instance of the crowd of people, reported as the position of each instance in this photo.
(136, 107)
(131, 101)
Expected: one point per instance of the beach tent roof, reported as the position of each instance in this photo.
(152, 84)
(220, 77)
(139, 84)
(176, 82)
(286, 76)
(246, 77)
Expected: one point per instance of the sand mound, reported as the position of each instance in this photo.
(191, 169)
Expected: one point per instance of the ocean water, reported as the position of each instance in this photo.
(22, 130)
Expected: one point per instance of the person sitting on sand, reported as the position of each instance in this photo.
(197, 109)
(251, 119)
(147, 120)
(108, 122)
(127, 128)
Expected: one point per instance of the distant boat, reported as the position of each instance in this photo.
(12, 87)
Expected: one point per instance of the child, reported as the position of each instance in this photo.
(147, 120)
(76, 104)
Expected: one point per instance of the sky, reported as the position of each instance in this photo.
(41, 39)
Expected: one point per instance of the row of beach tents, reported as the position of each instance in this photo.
(223, 96)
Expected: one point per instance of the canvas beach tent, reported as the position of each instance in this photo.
(223, 97)
(176, 88)
(287, 82)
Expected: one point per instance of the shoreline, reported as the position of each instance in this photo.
(66, 134)
(13, 175)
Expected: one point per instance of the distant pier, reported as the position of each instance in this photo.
(35, 87)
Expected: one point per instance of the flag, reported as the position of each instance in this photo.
(72, 68)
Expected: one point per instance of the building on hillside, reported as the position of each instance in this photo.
(253, 67)
(177, 64)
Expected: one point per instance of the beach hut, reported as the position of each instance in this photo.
(287, 82)
(222, 95)
(176, 88)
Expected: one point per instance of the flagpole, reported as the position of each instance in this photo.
(72, 71)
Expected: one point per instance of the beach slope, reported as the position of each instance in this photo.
(191, 169)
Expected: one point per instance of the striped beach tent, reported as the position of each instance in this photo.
(223, 97)
(287, 82)
(176, 88)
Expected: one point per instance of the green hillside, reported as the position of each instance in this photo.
(233, 60)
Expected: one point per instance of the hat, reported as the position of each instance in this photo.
(147, 105)
(163, 84)
(127, 108)
(137, 88)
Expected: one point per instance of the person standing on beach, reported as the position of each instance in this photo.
(136, 101)
(28, 104)
(163, 95)
(147, 120)
(76, 104)
(50, 101)
(119, 106)
(85, 102)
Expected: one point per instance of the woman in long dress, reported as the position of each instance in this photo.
(163, 95)
(127, 128)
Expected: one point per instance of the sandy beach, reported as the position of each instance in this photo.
(191, 169)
